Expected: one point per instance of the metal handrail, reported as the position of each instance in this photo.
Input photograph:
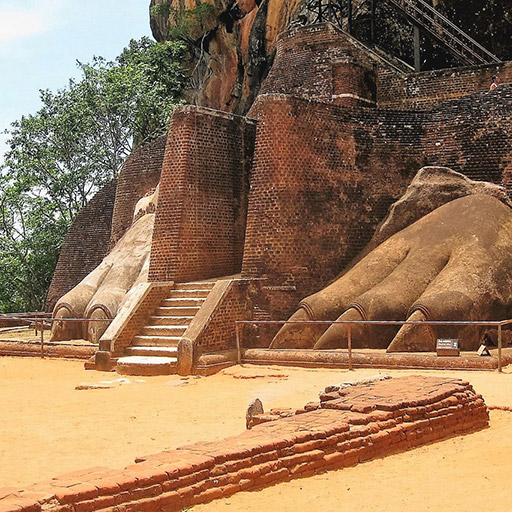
(40, 323)
(421, 14)
(53, 319)
(482, 323)
(457, 29)
(431, 19)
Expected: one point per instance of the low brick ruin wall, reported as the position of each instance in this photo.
(350, 424)
(59, 349)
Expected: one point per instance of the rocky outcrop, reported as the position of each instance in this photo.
(232, 45)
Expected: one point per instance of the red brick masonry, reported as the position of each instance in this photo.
(349, 425)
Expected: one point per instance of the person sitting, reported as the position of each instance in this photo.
(495, 82)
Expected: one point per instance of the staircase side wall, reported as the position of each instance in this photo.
(201, 215)
(213, 329)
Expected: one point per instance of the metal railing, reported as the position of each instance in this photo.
(455, 40)
(42, 323)
(418, 12)
(499, 324)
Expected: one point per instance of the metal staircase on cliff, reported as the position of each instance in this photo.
(424, 18)
(154, 351)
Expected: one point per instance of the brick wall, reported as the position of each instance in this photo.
(354, 83)
(200, 220)
(323, 177)
(473, 135)
(426, 89)
(322, 63)
(139, 176)
(85, 245)
(220, 333)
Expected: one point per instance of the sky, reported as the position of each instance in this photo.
(41, 40)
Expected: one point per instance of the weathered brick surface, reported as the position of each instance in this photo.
(323, 177)
(348, 426)
(200, 221)
(140, 175)
(427, 89)
(220, 333)
(473, 135)
(85, 245)
(319, 62)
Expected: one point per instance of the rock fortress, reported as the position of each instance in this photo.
(320, 203)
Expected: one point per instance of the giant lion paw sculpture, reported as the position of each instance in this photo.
(453, 264)
(99, 296)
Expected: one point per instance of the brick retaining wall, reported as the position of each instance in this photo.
(427, 89)
(323, 177)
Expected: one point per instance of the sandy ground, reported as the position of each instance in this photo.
(20, 334)
(47, 427)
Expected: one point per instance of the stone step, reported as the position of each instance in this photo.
(152, 351)
(176, 311)
(163, 330)
(141, 365)
(156, 341)
(169, 320)
(192, 293)
(181, 302)
(194, 285)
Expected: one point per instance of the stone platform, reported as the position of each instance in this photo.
(375, 358)
(350, 424)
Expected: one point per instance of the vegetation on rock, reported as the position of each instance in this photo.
(63, 154)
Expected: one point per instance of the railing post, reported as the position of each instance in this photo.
(349, 345)
(417, 48)
(42, 339)
(499, 349)
(238, 349)
(372, 22)
(350, 17)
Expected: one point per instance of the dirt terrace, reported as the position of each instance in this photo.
(49, 428)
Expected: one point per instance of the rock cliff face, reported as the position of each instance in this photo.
(232, 43)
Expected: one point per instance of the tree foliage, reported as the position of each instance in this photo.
(59, 157)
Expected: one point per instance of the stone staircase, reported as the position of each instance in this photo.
(154, 351)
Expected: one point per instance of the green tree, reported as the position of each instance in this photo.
(59, 157)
